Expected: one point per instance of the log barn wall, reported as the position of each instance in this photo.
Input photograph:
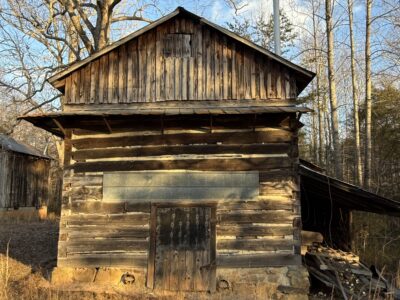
(24, 180)
(182, 59)
(251, 231)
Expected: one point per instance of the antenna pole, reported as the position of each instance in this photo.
(277, 35)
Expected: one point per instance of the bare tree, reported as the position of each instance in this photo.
(332, 89)
(58, 23)
(317, 60)
(356, 121)
(368, 98)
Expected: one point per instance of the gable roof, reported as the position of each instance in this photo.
(308, 75)
(7, 143)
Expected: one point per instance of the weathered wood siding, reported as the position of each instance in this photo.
(24, 180)
(179, 60)
(251, 232)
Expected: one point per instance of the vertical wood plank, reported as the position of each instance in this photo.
(278, 81)
(263, 90)
(81, 82)
(217, 65)
(271, 80)
(86, 84)
(241, 71)
(68, 89)
(210, 61)
(159, 73)
(252, 75)
(293, 88)
(100, 92)
(129, 85)
(185, 59)
(228, 83)
(199, 62)
(166, 270)
(110, 72)
(94, 81)
(142, 68)
(135, 73)
(174, 274)
(178, 74)
(122, 73)
(247, 74)
(150, 66)
(234, 72)
(256, 62)
(224, 69)
(75, 87)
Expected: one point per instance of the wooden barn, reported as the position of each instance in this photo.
(24, 176)
(181, 163)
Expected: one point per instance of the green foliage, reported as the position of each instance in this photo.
(241, 27)
(377, 237)
(261, 31)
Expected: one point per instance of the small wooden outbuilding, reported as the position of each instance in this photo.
(181, 163)
(24, 175)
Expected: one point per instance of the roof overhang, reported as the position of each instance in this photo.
(99, 120)
(320, 189)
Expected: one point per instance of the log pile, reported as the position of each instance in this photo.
(343, 272)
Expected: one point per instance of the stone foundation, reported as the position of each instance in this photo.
(108, 276)
(264, 283)
(252, 283)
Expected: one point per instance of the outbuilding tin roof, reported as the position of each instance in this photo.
(7, 143)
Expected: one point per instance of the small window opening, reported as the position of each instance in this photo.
(178, 45)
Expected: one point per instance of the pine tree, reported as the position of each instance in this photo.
(261, 30)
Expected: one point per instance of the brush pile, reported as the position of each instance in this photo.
(343, 272)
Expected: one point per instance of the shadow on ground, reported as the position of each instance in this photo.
(31, 243)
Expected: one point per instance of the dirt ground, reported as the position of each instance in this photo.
(26, 266)
(28, 252)
(31, 243)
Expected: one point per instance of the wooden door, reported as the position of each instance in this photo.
(184, 252)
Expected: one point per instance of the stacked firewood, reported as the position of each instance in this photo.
(344, 273)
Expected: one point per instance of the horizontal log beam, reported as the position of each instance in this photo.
(104, 260)
(257, 260)
(234, 164)
(255, 217)
(271, 136)
(253, 230)
(255, 244)
(147, 151)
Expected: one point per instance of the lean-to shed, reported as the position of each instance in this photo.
(24, 175)
(181, 163)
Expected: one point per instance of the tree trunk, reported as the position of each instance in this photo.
(321, 129)
(332, 91)
(356, 121)
(368, 100)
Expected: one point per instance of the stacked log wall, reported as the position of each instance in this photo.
(257, 232)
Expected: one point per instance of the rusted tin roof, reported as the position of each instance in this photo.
(7, 143)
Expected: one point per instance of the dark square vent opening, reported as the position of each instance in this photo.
(178, 45)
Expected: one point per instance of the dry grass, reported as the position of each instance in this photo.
(4, 274)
